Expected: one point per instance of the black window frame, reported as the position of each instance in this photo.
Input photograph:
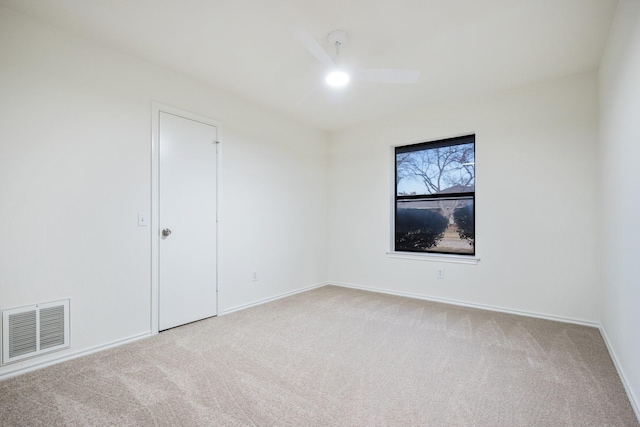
(447, 142)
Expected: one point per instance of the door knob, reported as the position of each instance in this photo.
(166, 232)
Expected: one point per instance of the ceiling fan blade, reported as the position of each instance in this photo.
(388, 75)
(312, 46)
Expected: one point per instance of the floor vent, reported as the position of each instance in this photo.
(34, 330)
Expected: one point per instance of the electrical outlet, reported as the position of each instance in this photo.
(254, 276)
(440, 273)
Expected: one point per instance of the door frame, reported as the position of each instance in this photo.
(156, 109)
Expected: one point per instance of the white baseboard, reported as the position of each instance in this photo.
(471, 305)
(33, 364)
(273, 298)
(635, 403)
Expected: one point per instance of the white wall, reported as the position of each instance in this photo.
(620, 190)
(536, 207)
(75, 156)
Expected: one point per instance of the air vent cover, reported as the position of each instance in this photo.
(34, 330)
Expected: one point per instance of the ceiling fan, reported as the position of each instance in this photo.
(340, 76)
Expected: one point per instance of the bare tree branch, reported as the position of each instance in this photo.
(438, 168)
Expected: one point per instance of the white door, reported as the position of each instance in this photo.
(187, 221)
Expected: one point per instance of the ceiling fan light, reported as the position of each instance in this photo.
(337, 78)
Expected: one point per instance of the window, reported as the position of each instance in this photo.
(435, 197)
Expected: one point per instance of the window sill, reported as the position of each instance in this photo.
(455, 259)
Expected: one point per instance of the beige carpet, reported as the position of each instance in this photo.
(336, 357)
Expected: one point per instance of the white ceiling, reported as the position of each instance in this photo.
(461, 47)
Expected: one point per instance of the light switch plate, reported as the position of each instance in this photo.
(143, 220)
